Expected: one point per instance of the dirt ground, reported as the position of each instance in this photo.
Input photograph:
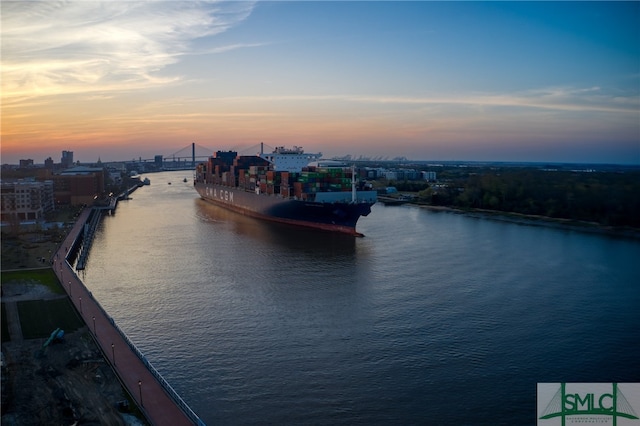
(69, 382)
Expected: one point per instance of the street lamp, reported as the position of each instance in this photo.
(94, 326)
(140, 389)
(69, 288)
(113, 354)
(80, 304)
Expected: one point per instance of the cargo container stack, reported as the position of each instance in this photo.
(256, 174)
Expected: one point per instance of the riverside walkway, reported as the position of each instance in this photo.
(155, 398)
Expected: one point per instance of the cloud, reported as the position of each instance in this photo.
(228, 48)
(52, 48)
(591, 99)
(560, 99)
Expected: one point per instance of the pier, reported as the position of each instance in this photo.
(155, 398)
(88, 232)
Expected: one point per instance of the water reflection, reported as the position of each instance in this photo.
(302, 241)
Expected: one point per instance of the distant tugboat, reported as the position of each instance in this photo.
(287, 186)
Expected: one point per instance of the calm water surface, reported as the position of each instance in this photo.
(432, 318)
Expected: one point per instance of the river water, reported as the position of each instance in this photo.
(431, 318)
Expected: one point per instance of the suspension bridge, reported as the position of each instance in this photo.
(187, 157)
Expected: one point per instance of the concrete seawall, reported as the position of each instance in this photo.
(156, 399)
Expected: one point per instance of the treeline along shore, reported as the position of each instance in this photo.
(607, 198)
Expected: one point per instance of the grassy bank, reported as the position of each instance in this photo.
(44, 276)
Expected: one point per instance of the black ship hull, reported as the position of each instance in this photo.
(335, 216)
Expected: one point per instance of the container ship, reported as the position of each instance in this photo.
(287, 186)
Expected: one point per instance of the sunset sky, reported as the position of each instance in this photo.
(503, 81)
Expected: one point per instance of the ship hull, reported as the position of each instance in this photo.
(335, 216)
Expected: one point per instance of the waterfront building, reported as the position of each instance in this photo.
(26, 199)
(79, 185)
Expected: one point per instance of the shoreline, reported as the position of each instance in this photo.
(535, 220)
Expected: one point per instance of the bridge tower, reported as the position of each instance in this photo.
(193, 155)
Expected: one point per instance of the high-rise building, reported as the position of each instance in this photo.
(67, 159)
(26, 163)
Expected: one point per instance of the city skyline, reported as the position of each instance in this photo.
(504, 81)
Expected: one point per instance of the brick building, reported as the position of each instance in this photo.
(79, 185)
